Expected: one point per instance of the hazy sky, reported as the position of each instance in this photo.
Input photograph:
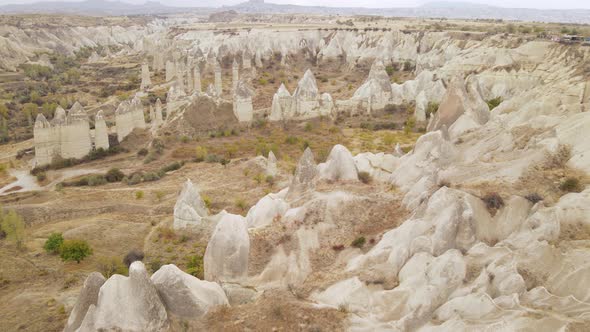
(542, 4)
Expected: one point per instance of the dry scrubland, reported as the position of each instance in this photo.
(37, 289)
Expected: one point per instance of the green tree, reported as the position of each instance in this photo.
(14, 227)
(48, 109)
(75, 250)
(53, 243)
(30, 110)
(3, 111)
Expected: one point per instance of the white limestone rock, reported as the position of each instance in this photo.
(242, 105)
(186, 296)
(268, 209)
(190, 209)
(101, 132)
(128, 304)
(146, 81)
(271, 165)
(305, 175)
(226, 256)
(88, 296)
(339, 166)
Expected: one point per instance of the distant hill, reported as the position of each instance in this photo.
(92, 7)
(440, 9)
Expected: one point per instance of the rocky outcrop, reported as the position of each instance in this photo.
(128, 116)
(218, 83)
(461, 109)
(305, 103)
(68, 136)
(88, 296)
(271, 165)
(375, 92)
(190, 208)
(226, 256)
(270, 208)
(186, 296)
(242, 105)
(339, 166)
(305, 175)
(146, 81)
(101, 132)
(128, 304)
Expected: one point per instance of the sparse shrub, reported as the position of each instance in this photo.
(132, 256)
(259, 178)
(134, 179)
(410, 125)
(41, 176)
(224, 161)
(390, 70)
(110, 266)
(139, 194)
(263, 81)
(571, 185)
(142, 152)
(365, 177)
(431, 109)
(270, 180)
(75, 250)
(151, 176)
(155, 265)
(53, 243)
(184, 139)
(308, 127)
(207, 201)
(338, 247)
(159, 195)
(171, 167)
(195, 266)
(14, 227)
(559, 158)
(241, 204)
(212, 158)
(493, 103)
(200, 154)
(534, 198)
(114, 175)
(493, 201)
(359, 242)
(96, 180)
(150, 157)
(166, 233)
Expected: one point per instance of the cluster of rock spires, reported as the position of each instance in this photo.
(68, 134)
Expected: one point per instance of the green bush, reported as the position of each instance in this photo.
(134, 179)
(195, 266)
(365, 177)
(75, 250)
(110, 266)
(571, 185)
(359, 242)
(96, 180)
(114, 175)
(171, 167)
(139, 194)
(493, 103)
(53, 243)
(14, 227)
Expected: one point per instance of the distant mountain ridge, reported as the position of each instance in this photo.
(92, 7)
(440, 9)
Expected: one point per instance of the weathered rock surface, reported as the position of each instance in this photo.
(226, 256)
(190, 209)
(88, 296)
(339, 166)
(267, 210)
(127, 304)
(305, 175)
(184, 295)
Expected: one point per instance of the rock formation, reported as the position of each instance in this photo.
(101, 132)
(186, 296)
(127, 303)
(305, 103)
(128, 116)
(88, 297)
(271, 165)
(375, 92)
(146, 81)
(243, 109)
(305, 175)
(218, 84)
(269, 208)
(461, 109)
(190, 208)
(159, 119)
(226, 256)
(340, 165)
(235, 70)
(68, 136)
(197, 79)
(170, 71)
